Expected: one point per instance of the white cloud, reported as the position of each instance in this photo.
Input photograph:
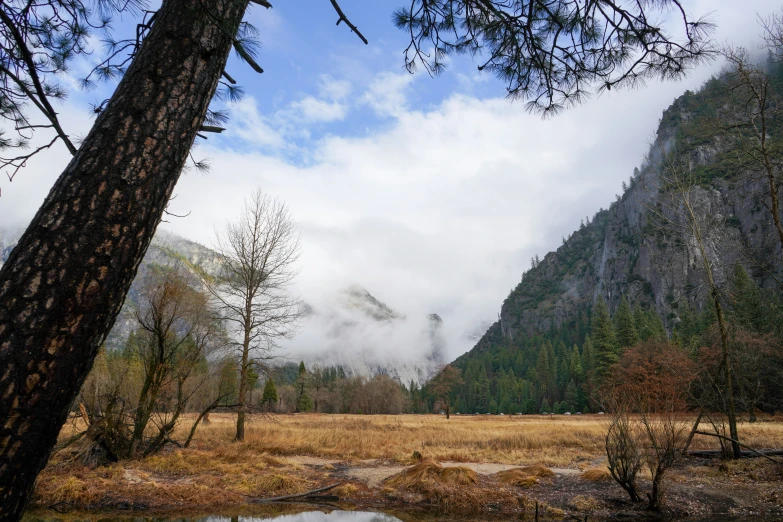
(311, 109)
(248, 124)
(386, 94)
(333, 89)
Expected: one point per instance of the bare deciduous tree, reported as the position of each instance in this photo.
(135, 398)
(646, 394)
(441, 385)
(682, 209)
(257, 254)
(752, 115)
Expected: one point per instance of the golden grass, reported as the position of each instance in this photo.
(429, 471)
(216, 471)
(453, 488)
(516, 477)
(585, 504)
(344, 490)
(509, 439)
(558, 441)
(537, 470)
(597, 475)
(459, 476)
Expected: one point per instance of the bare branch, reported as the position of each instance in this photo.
(343, 18)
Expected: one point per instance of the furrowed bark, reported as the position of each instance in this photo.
(64, 283)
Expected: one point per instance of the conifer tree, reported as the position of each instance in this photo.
(656, 325)
(269, 396)
(627, 335)
(604, 341)
(303, 401)
(642, 326)
(575, 369)
(542, 371)
(571, 396)
(750, 307)
(588, 359)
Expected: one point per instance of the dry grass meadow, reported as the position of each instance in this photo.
(285, 454)
(552, 440)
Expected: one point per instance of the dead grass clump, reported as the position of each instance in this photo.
(537, 470)
(345, 490)
(264, 485)
(548, 512)
(516, 477)
(70, 490)
(430, 471)
(454, 488)
(458, 476)
(585, 504)
(280, 483)
(427, 471)
(597, 475)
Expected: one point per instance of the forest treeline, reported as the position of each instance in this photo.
(562, 370)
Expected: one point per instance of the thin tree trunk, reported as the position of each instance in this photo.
(760, 93)
(240, 436)
(204, 415)
(64, 283)
(722, 327)
(774, 209)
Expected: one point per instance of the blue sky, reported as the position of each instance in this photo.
(431, 193)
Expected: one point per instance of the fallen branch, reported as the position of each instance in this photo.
(299, 495)
(745, 454)
(741, 444)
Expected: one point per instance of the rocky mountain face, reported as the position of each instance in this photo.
(166, 251)
(637, 248)
(353, 330)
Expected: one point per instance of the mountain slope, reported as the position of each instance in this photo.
(536, 353)
(622, 251)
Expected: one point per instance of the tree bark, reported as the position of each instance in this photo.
(240, 436)
(64, 283)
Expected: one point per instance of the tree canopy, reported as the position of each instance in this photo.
(551, 52)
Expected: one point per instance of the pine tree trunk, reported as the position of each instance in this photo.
(64, 283)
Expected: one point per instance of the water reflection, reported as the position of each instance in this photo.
(312, 516)
(292, 514)
(281, 515)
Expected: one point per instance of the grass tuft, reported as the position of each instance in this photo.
(597, 475)
(427, 471)
(537, 470)
(458, 476)
(516, 477)
(345, 490)
(585, 504)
